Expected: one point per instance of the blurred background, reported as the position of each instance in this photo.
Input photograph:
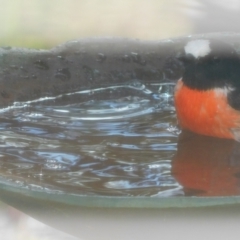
(46, 23)
(34, 23)
(15, 225)
(40, 23)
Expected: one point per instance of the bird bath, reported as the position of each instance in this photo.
(90, 142)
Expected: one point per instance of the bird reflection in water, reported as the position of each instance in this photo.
(207, 166)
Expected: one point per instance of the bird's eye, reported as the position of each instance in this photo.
(186, 58)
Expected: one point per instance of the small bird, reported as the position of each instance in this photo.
(207, 97)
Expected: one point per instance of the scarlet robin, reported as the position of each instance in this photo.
(207, 97)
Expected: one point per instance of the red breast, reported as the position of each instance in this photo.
(206, 112)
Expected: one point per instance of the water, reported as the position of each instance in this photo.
(107, 141)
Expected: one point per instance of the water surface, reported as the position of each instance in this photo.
(117, 141)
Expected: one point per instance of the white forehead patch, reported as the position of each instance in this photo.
(198, 48)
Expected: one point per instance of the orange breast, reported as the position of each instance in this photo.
(205, 112)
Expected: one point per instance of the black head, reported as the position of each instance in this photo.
(210, 64)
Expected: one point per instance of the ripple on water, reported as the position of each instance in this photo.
(107, 141)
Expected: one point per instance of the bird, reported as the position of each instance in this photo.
(207, 96)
